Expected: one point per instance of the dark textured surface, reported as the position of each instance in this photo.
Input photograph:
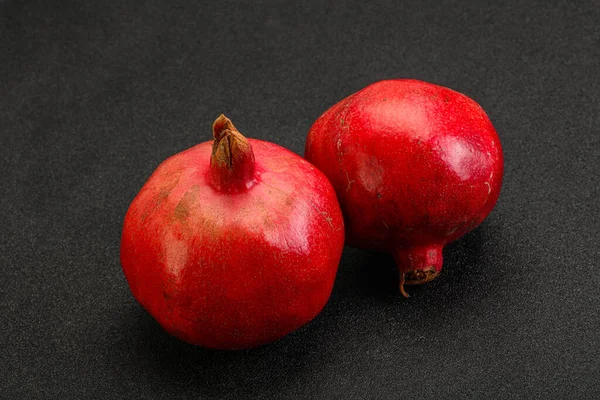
(94, 96)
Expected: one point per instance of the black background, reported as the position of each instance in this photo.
(93, 96)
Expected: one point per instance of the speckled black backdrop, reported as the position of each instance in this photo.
(93, 96)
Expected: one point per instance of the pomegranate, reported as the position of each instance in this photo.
(414, 165)
(233, 243)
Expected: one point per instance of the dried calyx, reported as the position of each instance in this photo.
(232, 160)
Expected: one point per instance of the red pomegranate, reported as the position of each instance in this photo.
(415, 166)
(233, 243)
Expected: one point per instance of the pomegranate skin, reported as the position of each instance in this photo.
(414, 165)
(235, 261)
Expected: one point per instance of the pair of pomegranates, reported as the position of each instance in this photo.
(236, 242)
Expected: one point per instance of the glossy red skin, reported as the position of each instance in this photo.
(233, 270)
(415, 166)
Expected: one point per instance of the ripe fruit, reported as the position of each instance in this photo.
(415, 166)
(233, 243)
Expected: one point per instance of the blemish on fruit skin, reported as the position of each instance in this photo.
(327, 218)
(162, 195)
(181, 212)
(182, 209)
(350, 182)
(370, 174)
(451, 231)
